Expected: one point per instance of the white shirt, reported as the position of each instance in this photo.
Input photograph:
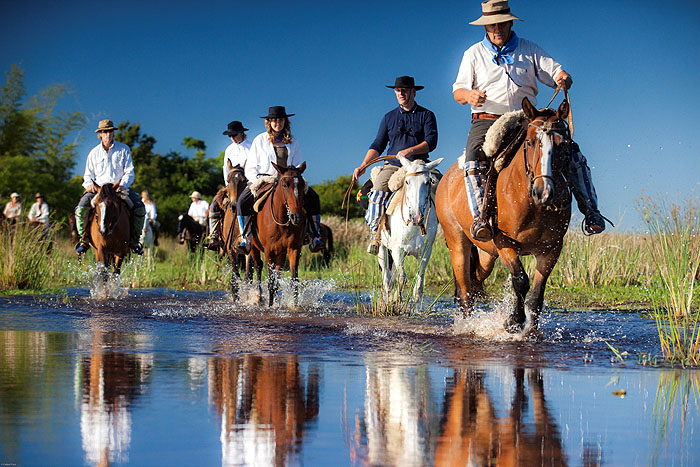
(39, 212)
(198, 210)
(237, 154)
(262, 155)
(477, 71)
(109, 167)
(151, 212)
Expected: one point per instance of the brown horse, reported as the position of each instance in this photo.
(533, 212)
(110, 228)
(280, 227)
(236, 183)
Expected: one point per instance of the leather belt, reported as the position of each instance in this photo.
(485, 116)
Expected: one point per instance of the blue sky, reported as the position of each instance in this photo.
(188, 68)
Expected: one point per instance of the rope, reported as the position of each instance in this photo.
(570, 118)
(348, 192)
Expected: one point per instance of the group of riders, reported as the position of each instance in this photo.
(494, 77)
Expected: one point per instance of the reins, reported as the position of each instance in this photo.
(348, 192)
(570, 118)
(284, 197)
(429, 198)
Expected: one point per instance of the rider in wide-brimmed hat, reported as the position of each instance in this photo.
(409, 130)
(109, 162)
(237, 154)
(277, 145)
(495, 75)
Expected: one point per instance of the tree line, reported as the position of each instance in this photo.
(38, 152)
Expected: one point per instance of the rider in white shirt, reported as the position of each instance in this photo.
(198, 209)
(109, 162)
(151, 215)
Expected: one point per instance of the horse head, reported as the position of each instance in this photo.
(292, 186)
(108, 207)
(419, 185)
(235, 181)
(546, 150)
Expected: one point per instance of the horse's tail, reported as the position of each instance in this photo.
(329, 241)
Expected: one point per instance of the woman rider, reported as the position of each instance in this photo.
(277, 145)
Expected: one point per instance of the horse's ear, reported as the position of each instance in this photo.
(280, 170)
(229, 165)
(403, 160)
(529, 109)
(435, 163)
(302, 167)
(563, 110)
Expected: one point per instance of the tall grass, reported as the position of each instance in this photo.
(675, 250)
(24, 259)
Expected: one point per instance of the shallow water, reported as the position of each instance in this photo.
(184, 378)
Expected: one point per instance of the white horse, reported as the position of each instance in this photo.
(410, 229)
(146, 238)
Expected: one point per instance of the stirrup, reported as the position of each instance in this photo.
(82, 247)
(136, 248)
(244, 244)
(315, 245)
(593, 223)
(481, 231)
(214, 243)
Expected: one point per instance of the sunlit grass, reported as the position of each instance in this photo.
(24, 257)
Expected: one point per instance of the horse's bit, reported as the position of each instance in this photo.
(272, 211)
(429, 199)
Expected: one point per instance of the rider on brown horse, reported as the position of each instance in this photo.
(109, 162)
(494, 77)
(410, 130)
(236, 154)
(276, 145)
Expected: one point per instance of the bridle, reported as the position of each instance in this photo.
(428, 199)
(552, 130)
(103, 215)
(286, 205)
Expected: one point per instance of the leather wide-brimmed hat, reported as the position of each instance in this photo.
(105, 125)
(196, 194)
(234, 128)
(405, 82)
(493, 12)
(277, 111)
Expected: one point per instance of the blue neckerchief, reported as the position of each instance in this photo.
(506, 53)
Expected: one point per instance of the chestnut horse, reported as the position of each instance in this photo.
(281, 225)
(235, 184)
(110, 228)
(533, 212)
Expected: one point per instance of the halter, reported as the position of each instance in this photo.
(429, 198)
(286, 205)
(550, 129)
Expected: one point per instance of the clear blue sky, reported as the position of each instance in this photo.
(188, 68)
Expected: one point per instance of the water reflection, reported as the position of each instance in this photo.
(108, 382)
(265, 404)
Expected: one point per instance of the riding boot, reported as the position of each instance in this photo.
(214, 242)
(582, 188)
(243, 240)
(376, 209)
(81, 216)
(314, 224)
(474, 180)
(138, 219)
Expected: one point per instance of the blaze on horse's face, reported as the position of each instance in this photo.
(107, 207)
(293, 188)
(546, 149)
(236, 181)
(419, 183)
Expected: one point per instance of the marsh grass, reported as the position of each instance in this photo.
(675, 251)
(24, 257)
(676, 392)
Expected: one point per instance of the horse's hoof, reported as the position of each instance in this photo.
(513, 327)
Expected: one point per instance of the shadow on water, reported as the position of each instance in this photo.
(171, 377)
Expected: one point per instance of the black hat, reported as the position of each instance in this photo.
(406, 82)
(277, 111)
(234, 128)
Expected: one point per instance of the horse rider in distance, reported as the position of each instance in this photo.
(237, 153)
(109, 162)
(410, 130)
(494, 77)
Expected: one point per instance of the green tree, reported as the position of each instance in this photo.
(36, 153)
(332, 192)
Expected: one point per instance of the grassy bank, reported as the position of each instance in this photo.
(609, 270)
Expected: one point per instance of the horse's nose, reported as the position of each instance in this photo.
(416, 218)
(543, 193)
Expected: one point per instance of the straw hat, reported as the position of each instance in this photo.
(196, 194)
(493, 12)
(105, 125)
(14, 195)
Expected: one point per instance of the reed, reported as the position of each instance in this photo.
(675, 251)
(24, 257)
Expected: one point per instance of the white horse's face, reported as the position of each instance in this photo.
(418, 186)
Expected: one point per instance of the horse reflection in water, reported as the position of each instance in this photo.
(404, 424)
(110, 382)
(265, 404)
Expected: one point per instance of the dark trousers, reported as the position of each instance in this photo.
(475, 140)
(133, 196)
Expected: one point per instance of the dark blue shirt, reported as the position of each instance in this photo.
(401, 129)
